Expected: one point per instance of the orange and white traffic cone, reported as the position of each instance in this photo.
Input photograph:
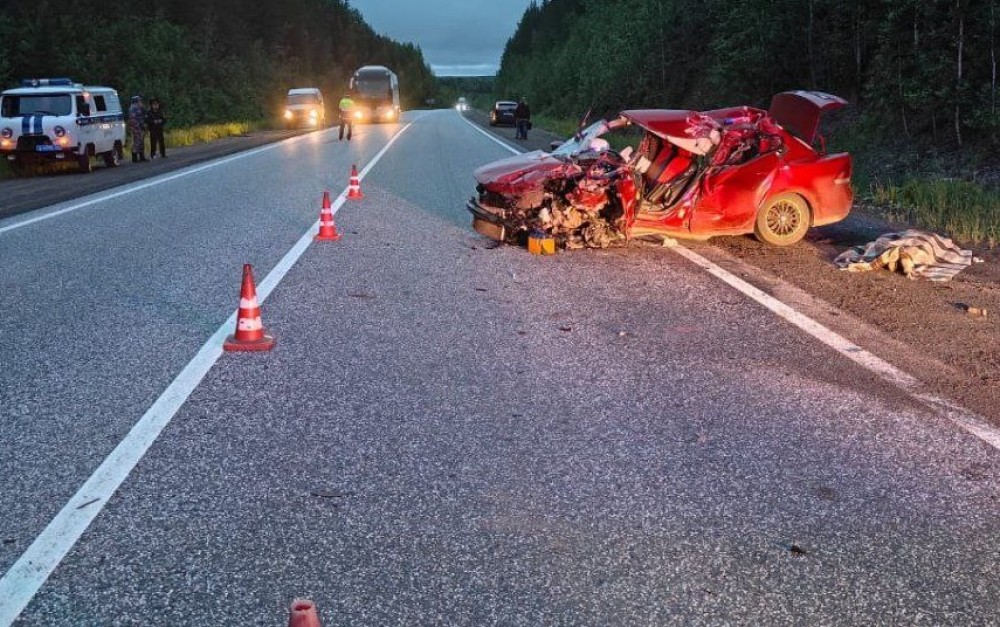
(327, 228)
(249, 334)
(303, 614)
(354, 189)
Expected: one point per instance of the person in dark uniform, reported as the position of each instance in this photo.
(154, 122)
(522, 119)
(137, 127)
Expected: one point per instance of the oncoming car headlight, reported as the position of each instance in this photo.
(7, 133)
(358, 115)
(59, 131)
(288, 114)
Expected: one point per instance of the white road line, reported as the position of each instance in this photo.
(967, 420)
(159, 180)
(516, 151)
(20, 584)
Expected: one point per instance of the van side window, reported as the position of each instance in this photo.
(82, 106)
(100, 104)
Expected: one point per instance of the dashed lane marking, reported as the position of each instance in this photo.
(965, 419)
(20, 584)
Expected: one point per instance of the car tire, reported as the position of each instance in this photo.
(782, 220)
(113, 158)
(84, 164)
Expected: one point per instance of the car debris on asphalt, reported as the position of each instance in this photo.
(914, 253)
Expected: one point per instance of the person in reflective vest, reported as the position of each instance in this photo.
(346, 116)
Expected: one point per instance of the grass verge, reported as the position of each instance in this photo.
(208, 132)
(966, 211)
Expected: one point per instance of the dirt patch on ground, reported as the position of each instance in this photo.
(930, 318)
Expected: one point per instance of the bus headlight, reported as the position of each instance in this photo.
(314, 114)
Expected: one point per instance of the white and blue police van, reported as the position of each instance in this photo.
(57, 120)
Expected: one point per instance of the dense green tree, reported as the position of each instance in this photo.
(210, 61)
(922, 70)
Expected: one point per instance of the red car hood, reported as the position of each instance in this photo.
(511, 174)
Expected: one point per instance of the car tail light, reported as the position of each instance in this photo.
(59, 131)
(6, 133)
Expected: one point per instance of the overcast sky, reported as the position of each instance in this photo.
(458, 37)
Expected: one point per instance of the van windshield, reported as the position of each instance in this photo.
(303, 99)
(36, 104)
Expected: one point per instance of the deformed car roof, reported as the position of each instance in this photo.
(673, 125)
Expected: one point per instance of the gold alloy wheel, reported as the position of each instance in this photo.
(783, 220)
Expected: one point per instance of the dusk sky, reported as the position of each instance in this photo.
(458, 37)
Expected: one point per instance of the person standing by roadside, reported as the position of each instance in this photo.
(154, 122)
(522, 119)
(346, 116)
(137, 127)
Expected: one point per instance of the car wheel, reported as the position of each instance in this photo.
(113, 158)
(84, 163)
(783, 220)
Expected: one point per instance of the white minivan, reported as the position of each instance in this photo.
(59, 120)
(304, 108)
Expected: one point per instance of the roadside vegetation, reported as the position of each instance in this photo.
(924, 125)
(209, 62)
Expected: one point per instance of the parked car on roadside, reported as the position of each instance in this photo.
(502, 113)
(695, 175)
(54, 120)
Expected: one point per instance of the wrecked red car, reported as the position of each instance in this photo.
(692, 175)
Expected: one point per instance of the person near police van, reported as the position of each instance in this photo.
(137, 127)
(346, 116)
(155, 119)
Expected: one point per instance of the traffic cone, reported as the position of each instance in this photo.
(354, 189)
(303, 614)
(249, 334)
(327, 228)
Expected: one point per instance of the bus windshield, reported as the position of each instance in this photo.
(376, 86)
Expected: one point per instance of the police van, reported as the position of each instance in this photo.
(57, 120)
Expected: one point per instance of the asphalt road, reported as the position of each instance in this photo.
(452, 433)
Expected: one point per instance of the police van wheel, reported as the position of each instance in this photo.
(85, 165)
(113, 158)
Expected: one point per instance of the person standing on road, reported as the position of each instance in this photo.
(522, 119)
(346, 116)
(137, 127)
(154, 122)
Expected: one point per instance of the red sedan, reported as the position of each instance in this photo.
(693, 175)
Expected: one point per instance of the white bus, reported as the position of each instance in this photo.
(375, 92)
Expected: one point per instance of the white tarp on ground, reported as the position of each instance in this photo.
(917, 254)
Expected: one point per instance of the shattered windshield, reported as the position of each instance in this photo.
(581, 141)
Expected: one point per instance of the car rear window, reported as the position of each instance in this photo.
(506, 105)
